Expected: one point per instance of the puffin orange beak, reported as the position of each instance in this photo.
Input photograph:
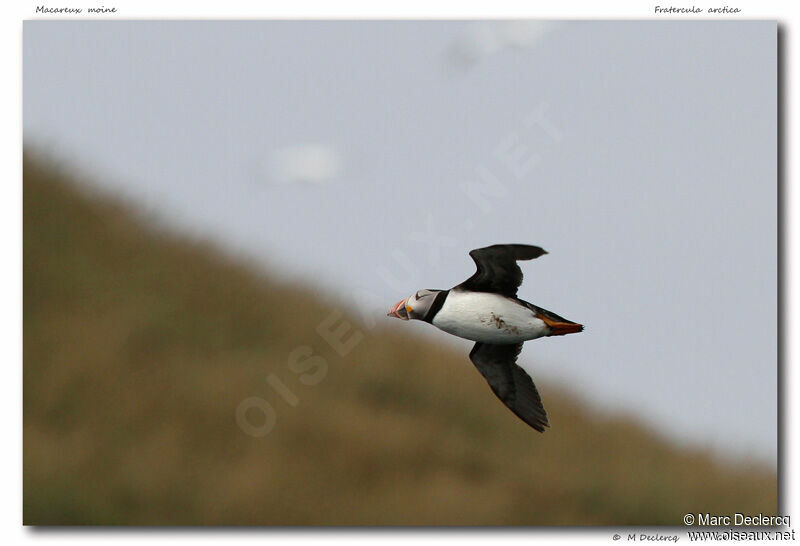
(399, 310)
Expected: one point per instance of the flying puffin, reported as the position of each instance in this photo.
(485, 308)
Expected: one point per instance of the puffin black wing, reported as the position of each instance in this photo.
(509, 382)
(498, 271)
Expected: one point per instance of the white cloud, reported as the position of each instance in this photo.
(487, 38)
(304, 163)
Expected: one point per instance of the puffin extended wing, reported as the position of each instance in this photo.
(509, 382)
(498, 271)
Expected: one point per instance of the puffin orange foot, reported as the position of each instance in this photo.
(561, 328)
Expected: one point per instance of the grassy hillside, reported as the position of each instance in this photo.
(139, 347)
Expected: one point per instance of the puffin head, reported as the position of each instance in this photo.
(415, 306)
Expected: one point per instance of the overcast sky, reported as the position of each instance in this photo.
(370, 157)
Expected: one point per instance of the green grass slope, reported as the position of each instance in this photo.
(139, 347)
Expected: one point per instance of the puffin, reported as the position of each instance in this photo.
(485, 309)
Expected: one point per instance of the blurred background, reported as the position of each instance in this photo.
(217, 216)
